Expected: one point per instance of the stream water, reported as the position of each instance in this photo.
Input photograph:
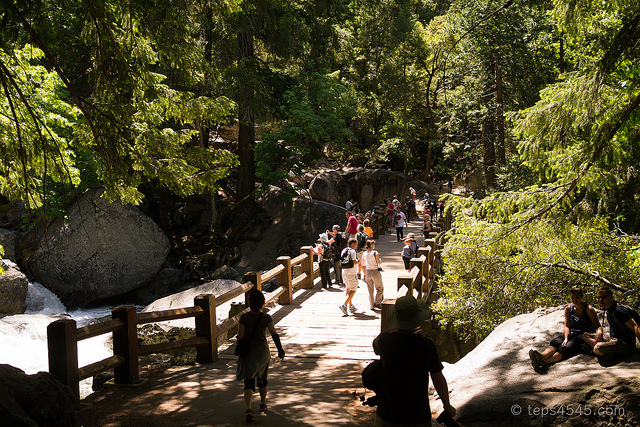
(23, 337)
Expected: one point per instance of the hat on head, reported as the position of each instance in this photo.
(407, 313)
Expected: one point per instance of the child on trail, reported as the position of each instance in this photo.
(349, 263)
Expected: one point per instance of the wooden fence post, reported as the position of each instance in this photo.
(405, 279)
(125, 345)
(384, 326)
(307, 267)
(206, 327)
(256, 279)
(418, 262)
(62, 344)
(284, 280)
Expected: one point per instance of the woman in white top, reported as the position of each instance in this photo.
(373, 278)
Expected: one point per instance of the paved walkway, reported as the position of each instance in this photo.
(317, 384)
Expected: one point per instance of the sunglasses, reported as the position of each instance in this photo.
(602, 296)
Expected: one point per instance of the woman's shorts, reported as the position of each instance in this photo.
(572, 347)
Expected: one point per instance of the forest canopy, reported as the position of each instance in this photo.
(540, 97)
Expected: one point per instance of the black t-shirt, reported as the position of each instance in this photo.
(407, 359)
(250, 319)
(617, 323)
(338, 242)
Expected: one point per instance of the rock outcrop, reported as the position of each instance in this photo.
(13, 289)
(495, 384)
(330, 187)
(34, 400)
(293, 222)
(370, 188)
(8, 240)
(98, 250)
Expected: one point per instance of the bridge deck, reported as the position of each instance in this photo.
(314, 326)
(317, 384)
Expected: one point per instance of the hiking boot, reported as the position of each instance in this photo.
(344, 309)
(537, 361)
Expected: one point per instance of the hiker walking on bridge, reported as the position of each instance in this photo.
(253, 367)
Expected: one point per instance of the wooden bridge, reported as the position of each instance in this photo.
(326, 350)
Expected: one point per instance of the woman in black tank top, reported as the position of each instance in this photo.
(579, 317)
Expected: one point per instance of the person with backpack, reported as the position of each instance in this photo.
(349, 263)
(337, 246)
(623, 327)
(408, 360)
(579, 317)
(362, 237)
(325, 259)
(410, 250)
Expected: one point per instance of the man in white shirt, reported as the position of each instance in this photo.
(349, 274)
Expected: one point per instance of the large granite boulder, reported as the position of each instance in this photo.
(98, 250)
(12, 214)
(495, 384)
(330, 187)
(13, 289)
(34, 400)
(186, 299)
(370, 188)
(8, 240)
(293, 222)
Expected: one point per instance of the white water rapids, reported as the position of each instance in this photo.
(23, 337)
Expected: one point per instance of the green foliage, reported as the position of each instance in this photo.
(491, 276)
(128, 124)
(316, 112)
(36, 128)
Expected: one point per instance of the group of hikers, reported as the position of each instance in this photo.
(402, 395)
(408, 359)
(353, 257)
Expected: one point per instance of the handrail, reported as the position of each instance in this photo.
(171, 314)
(421, 277)
(63, 335)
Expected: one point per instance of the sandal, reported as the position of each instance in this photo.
(249, 416)
(263, 407)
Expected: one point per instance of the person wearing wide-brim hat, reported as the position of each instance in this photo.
(408, 359)
(409, 250)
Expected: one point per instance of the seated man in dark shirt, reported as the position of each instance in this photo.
(408, 358)
(623, 328)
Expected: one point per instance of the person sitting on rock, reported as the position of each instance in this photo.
(623, 328)
(579, 317)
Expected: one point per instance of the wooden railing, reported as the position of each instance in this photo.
(421, 277)
(63, 335)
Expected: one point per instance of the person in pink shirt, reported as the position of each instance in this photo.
(352, 224)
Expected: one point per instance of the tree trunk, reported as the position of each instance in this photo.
(488, 132)
(500, 154)
(246, 135)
